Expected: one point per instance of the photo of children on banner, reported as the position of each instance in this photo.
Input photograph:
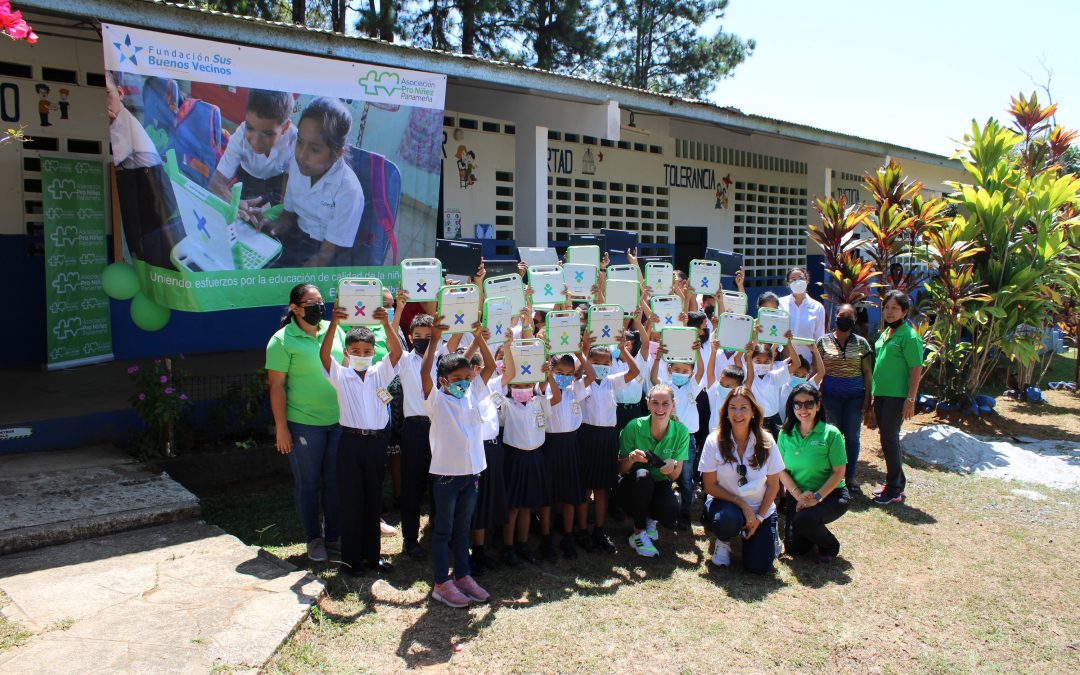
(323, 200)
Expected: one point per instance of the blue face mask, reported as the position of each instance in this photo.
(458, 389)
(390, 314)
(796, 381)
(680, 379)
(615, 352)
(564, 381)
(602, 371)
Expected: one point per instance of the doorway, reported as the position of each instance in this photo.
(690, 243)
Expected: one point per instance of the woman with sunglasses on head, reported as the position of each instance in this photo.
(741, 469)
(815, 460)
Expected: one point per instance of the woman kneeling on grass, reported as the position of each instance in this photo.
(815, 459)
(652, 450)
(741, 468)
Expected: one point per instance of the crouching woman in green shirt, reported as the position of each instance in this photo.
(652, 450)
(815, 458)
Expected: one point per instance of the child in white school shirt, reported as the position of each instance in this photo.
(365, 414)
(457, 459)
(258, 154)
(685, 381)
(323, 198)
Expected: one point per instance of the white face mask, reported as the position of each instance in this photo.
(798, 287)
(762, 368)
(360, 363)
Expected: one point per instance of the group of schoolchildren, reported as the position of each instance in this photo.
(501, 458)
(302, 167)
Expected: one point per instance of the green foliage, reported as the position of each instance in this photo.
(659, 46)
(237, 413)
(848, 278)
(160, 401)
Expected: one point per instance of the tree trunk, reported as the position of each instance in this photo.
(468, 26)
(337, 15)
(386, 20)
(299, 12)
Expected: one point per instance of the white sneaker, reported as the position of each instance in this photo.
(316, 550)
(650, 529)
(643, 545)
(721, 556)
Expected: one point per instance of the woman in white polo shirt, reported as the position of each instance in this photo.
(323, 197)
(741, 466)
(807, 314)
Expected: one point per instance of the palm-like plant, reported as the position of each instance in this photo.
(848, 278)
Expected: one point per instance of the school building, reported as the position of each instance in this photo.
(529, 158)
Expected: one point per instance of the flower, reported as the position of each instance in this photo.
(12, 24)
(164, 379)
(142, 396)
(169, 391)
(132, 370)
(183, 397)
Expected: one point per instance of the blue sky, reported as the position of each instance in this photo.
(913, 73)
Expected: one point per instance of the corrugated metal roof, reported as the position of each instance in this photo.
(205, 23)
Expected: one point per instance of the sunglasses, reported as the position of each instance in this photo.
(804, 405)
(741, 468)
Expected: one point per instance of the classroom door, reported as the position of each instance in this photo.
(690, 243)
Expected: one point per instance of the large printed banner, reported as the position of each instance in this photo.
(75, 229)
(242, 172)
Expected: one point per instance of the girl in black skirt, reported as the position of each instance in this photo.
(527, 489)
(561, 452)
(598, 442)
(491, 511)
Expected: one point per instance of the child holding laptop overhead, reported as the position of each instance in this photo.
(365, 414)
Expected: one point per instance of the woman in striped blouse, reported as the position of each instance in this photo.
(846, 387)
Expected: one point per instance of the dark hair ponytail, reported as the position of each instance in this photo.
(296, 296)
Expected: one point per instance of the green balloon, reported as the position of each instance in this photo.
(120, 281)
(147, 314)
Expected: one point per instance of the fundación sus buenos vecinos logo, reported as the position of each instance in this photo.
(180, 58)
(128, 51)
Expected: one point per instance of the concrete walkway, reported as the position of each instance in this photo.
(179, 597)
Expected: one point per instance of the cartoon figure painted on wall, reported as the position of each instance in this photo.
(466, 166)
(44, 105)
(64, 103)
(722, 192)
(588, 163)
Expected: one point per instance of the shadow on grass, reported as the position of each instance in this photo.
(816, 575)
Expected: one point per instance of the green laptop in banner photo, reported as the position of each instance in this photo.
(78, 330)
(219, 206)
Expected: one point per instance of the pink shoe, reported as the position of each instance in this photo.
(469, 587)
(449, 594)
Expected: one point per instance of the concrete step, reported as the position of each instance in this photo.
(55, 497)
(178, 598)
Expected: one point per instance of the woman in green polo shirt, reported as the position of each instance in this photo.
(652, 450)
(305, 410)
(815, 459)
(898, 368)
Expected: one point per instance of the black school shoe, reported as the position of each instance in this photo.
(567, 545)
(547, 550)
(416, 552)
(381, 566)
(585, 541)
(603, 541)
(509, 556)
(525, 554)
(477, 564)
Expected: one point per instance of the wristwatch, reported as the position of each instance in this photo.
(817, 496)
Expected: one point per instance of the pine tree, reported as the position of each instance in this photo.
(558, 35)
(659, 46)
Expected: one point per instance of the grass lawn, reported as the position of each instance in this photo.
(968, 575)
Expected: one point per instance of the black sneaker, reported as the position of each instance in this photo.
(416, 552)
(567, 545)
(509, 557)
(525, 554)
(603, 541)
(548, 552)
(585, 541)
(885, 498)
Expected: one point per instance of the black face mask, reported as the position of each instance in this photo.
(895, 324)
(313, 314)
(710, 310)
(421, 344)
(844, 323)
